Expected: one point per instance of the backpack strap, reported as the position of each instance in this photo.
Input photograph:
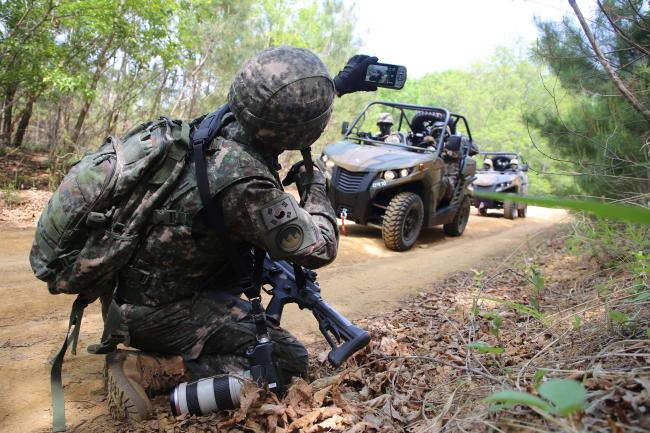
(203, 137)
(71, 337)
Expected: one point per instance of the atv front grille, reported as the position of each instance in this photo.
(349, 181)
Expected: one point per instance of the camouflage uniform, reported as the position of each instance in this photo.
(177, 294)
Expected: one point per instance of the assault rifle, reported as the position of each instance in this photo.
(343, 337)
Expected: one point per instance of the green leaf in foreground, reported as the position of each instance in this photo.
(520, 309)
(510, 398)
(568, 396)
(564, 397)
(483, 347)
(635, 214)
(618, 317)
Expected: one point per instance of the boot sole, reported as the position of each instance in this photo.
(124, 401)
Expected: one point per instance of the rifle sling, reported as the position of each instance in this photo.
(204, 135)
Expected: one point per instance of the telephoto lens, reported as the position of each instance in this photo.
(206, 395)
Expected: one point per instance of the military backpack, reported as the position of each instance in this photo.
(93, 222)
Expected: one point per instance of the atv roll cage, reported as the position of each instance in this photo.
(450, 119)
(510, 155)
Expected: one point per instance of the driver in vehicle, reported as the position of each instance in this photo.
(385, 123)
(488, 165)
(514, 164)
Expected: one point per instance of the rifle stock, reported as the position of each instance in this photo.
(334, 327)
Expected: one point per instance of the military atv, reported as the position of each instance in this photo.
(416, 177)
(501, 172)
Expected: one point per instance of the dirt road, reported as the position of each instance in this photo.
(366, 279)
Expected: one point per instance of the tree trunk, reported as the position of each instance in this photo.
(7, 114)
(157, 99)
(114, 113)
(24, 122)
(54, 138)
(102, 59)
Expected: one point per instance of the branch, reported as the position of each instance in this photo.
(620, 32)
(603, 61)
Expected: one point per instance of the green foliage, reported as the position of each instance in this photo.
(537, 280)
(496, 321)
(538, 377)
(561, 397)
(577, 323)
(619, 317)
(521, 309)
(10, 195)
(483, 347)
(589, 125)
(567, 396)
(507, 399)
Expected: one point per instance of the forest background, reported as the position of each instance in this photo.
(75, 71)
(574, 103)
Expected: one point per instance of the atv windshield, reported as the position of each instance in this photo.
(415, 128)
(500, 161)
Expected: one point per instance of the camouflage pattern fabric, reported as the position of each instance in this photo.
(385, 118)
(175, 292)
(283, 97)
(213, 331)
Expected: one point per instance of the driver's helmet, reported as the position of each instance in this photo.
(514, 163)
(487, 164)
(385, 118)
(437, 130)
(282, 97)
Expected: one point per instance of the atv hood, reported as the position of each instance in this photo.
(490, 179)
(365, 157)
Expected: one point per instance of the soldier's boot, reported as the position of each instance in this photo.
(133, 377)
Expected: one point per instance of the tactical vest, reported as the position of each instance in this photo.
(181, 251)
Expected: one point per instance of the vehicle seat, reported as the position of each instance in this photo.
(501, 164)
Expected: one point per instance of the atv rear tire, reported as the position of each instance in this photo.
(457, 226)
(521, 213)
(402, 221)
(509, 210)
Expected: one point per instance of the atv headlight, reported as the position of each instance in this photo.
(390, 175)
(404, 172)
(329, 164)
(503, 185)
(324, 158)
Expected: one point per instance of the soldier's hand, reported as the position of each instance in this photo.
(351, 78)
(293, 172)
(298, 174)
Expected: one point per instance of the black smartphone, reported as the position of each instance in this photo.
(385, 75)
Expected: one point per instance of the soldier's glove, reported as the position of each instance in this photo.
(298, 175)
(351, 78)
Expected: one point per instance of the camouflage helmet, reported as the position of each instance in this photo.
(385, 118)
(282, 97)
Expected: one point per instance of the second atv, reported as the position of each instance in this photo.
(413, 173)
(502, 172)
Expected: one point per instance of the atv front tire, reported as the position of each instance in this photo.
(509, 210)
(402, 221)
(521, 213)
(457, 226)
